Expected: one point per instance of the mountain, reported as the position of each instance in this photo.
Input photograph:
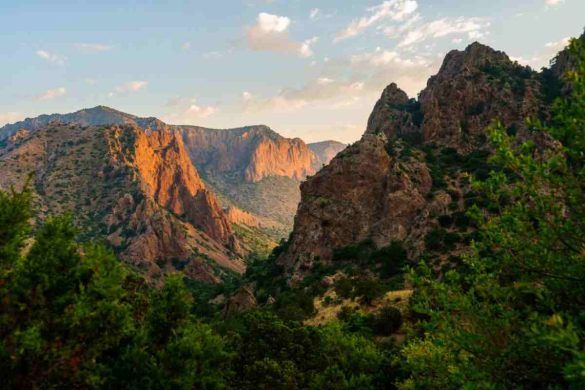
(248, 154)
(326, 150)
(166, 197)
(137, 189)
(254, 169)
(100, 115)
(404, 183)
(251, 168)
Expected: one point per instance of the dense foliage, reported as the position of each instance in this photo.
(72, 315)
(514, 314)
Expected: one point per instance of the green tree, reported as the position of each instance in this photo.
(513, 317)
(73, 315)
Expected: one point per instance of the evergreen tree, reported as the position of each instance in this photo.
(514, 315)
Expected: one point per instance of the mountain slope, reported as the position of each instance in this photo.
(405, 180)
(252, 168)
(326, 150)
(138, 189)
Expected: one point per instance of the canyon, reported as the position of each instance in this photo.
(165, 197)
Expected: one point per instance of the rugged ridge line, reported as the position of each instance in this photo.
(408, 168)
(138, 189)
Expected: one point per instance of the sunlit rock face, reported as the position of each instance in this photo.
(387, 186)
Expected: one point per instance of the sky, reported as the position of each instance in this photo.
(307, 69)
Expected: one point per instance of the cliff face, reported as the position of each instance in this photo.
(404, 180)
(364, 193)
(138, 189)
(252, 168)
(325, 151)
(250, 154)
(172, 181)
(256, 169)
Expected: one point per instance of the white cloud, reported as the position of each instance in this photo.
(314, 13)
(306, 47)
(187, 111)
(554, 2)
(270, 33)
(385, 58)
(131, 86)
(51, 94)
(543, 57)
(473, 27)
(381, 67)
(92, 47)
(186, 46)
(397, 10)
(201, 111)
(247, 96)
(51, 57)
(272, 23)
(318, 14)
(324, 80)
(322, 92)
(212, 55)
(353, 82)
(10, 117)
(558, 45)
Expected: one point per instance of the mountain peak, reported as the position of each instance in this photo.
(475, 56)
(105, 109)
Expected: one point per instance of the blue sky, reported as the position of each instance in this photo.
(308, 69)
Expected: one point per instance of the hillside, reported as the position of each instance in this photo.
(326, 150)
(138, 190)
(252, 168)
(406, 181)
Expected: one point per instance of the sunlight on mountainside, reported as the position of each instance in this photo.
(268, 195)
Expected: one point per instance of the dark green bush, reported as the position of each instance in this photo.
(387, 321)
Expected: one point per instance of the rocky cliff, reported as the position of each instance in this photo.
(325, 151)
(404, 181)
(138, 189)
(256, 170)
(250, 153)
(252, 168)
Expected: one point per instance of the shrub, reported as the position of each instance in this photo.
(344, 287)
(446, 221)
(392, 258)
(387, 321)
(368, 289)
(359, 251)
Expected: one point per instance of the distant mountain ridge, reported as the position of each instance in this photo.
(252, 167)
(200, 176)
(96, 116)
(256, 151)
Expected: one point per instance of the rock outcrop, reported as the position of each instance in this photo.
(473, 88)
(241, 301)
(394, 114)
(404, 180)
